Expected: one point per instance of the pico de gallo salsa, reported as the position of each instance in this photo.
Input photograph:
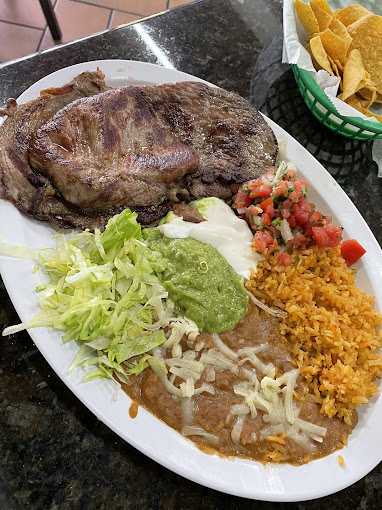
(277, 210)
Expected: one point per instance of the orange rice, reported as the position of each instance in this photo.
(332, 326)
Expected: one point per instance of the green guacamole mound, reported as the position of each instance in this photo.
(203, 286)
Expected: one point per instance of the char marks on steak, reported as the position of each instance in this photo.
(144, 147)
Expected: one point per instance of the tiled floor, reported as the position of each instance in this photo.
(23, 28)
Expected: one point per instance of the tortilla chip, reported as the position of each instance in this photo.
(355, 76)
(367, 95)
(339, 29)
(378, 99)
(336, 68)
(323, 18)
(339, 65)
(363, 102)
(367, 38)
(321, 4)
(314, 61)
(320, 55)
(356, 103)
(350, 14)
(335, 47)
(307, 17)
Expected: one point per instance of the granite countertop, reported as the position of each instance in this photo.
(54, 453)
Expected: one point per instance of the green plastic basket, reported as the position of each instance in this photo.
(322, 108)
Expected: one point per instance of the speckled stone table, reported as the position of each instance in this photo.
(54, 454)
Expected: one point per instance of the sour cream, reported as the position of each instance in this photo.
(222, 229)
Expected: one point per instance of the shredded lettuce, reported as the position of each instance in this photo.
(21, 252)
(103, 293)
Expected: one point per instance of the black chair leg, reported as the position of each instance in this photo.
(51, 19)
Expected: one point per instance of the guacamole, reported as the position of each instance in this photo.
(204, 287)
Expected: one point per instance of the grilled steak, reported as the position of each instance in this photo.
(144, 147)
(30, 192)
(188, 212)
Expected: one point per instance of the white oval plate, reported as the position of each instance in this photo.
(148, 434)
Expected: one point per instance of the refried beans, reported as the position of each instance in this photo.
(212, 413)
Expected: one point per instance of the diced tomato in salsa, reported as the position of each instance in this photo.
(315, 219)
(328, 236)
(284, 259)
(264, 242)
(300, 189)
(280, 189)
(261, 191)
(255, 183)
(292, 222)
(266, 219)
(285, 213)
(298, 240)
(270, 210)
(242, 199)
(274, 231)
(302, 211)
(252, 209)
(352, 251)
(290, 174)
(266, 203)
